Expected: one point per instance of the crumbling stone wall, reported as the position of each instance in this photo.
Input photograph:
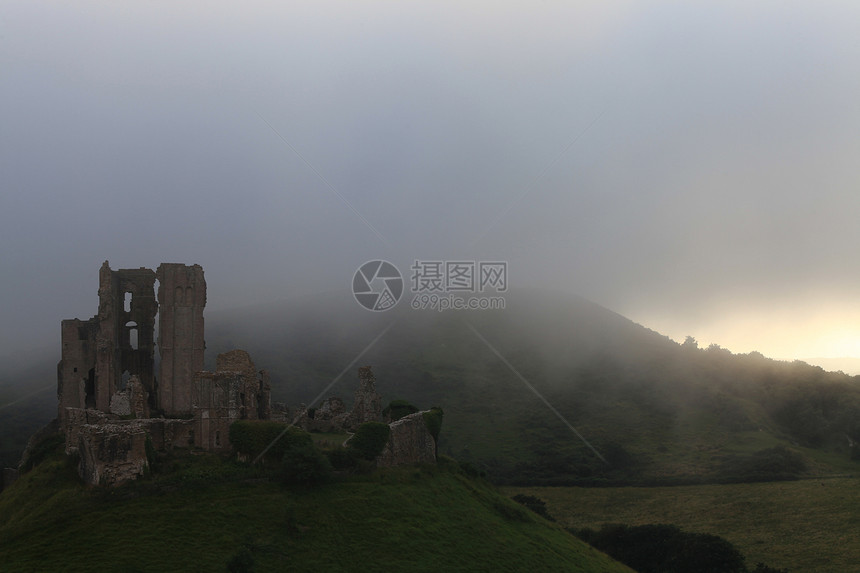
(101, 354)
(410, 442)
(117, 342)
(132, 401)
(76, 372)
(235, 391)
(77, 418)
(111, 454)
(107, 388)
(330, 416)
(367, 406)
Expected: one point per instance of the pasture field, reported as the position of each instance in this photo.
(811, 525)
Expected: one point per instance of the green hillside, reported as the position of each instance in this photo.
(806, 525)
(204, 513)
(28, 401)
(659, 412)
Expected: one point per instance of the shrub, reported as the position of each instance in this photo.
(762, 568)
(397, 409)
(251, 437)
(471, 471)
(510, 512)
(663, 548)
(535, 504)
(303, 463)
(771, 464)
(41, 450)
(342, 458)
(369, 439)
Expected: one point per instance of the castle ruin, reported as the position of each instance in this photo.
(101, 354)
(111, 401)
(117, 403)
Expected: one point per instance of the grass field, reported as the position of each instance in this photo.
(805, 526)
(206, 511)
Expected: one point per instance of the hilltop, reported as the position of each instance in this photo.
(202, 513)
(659, 411)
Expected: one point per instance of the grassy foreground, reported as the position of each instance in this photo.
(808, 525)
(205, 512)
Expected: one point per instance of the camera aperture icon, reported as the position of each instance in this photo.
(377, 285)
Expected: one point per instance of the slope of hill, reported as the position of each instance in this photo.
(512, 383)
(28, 401)
(658, 411)
(205, 513)
(806, 525)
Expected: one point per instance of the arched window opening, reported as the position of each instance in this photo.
(132, 334)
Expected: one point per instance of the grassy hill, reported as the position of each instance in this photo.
(807, 525)
(28, 401)
(203, 513)
(659, 412)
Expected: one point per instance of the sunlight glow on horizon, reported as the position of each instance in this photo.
(789, 332)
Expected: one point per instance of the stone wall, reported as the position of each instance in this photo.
(367, 406)
(77, 418)
(235, 391)
(410, 442)
(330, 416)
(182, 298)
(118, 342)
(111, 454)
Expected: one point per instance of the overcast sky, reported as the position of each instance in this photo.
(692, 166)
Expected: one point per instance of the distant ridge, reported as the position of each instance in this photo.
(846, 364)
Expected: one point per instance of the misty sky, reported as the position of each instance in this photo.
(692, 166)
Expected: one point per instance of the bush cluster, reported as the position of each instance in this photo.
(251, 437)
(302, 462)
(397, 409)
(369, 440)
(662, 548)
(771, 464)
(535, 504)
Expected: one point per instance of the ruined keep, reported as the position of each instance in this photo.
(114, 407)
(101, 354)
(111, 401)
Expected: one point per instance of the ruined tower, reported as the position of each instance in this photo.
(113, 409)
(100, 354)
(181, 297)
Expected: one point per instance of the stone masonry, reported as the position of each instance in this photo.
(410, 442)
(106, 382)
(99, 355)
(115, 411)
